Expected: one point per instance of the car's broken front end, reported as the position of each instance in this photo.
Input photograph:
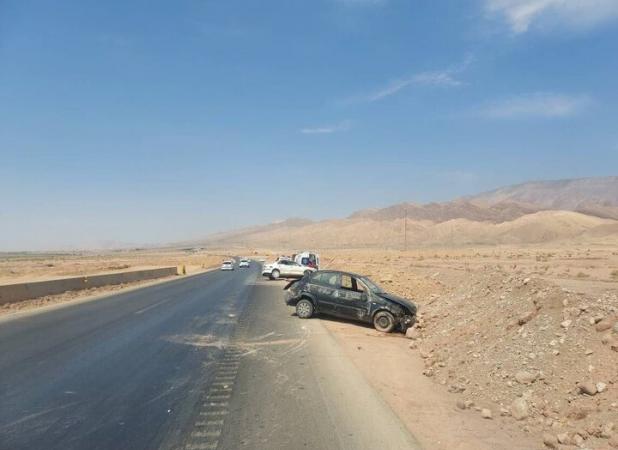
(406, 321)
(404, 310)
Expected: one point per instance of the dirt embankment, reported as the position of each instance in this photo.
(527, 337)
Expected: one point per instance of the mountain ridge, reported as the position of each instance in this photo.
(534, 212)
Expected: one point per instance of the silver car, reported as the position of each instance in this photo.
(227, 265)
(285, 268)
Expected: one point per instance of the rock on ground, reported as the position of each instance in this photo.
(519, 409)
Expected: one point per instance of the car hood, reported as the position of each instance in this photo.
(399, 300)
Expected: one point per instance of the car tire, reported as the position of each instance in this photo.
(384, 321)
(304, 309)
(275, 274)
(307, 273)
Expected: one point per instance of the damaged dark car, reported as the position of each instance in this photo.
(349, 296)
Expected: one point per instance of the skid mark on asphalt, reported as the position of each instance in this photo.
(214, 406)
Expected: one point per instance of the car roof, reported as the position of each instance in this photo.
(352, 274)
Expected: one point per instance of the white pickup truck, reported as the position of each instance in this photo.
(285, 268)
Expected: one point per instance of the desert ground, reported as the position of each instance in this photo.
(20, 267)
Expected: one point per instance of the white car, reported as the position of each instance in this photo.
(285, 268)
(227, 265)
(243, 263)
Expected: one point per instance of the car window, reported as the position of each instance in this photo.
(325, 278)
(346, 282)
(332, 279)
(350, 283)
(359, 286)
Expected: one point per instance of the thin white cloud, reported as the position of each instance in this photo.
(537, 105)
(424, 78)
(327, 129)
(521, 15)
(439, 78)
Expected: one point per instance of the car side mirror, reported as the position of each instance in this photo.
(364, 296)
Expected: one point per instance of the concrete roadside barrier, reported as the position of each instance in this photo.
(10, 293)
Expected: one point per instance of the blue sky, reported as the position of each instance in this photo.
(154, 121)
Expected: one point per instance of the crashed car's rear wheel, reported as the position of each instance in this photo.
(275, 274)
(304, 309)
(384, 321)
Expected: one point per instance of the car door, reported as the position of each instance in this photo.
(284, 268)
(323, 286)
(351, 299)
(297, 270)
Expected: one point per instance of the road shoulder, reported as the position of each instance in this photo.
(429, 413)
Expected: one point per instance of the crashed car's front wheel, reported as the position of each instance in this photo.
(384, 321)
(304, 309)
(274, 275)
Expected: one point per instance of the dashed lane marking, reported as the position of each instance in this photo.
(208, 427)
(206, 434)
(219, 404)
(209, 423)
(217, 389)
(226, 378)
(218, 397)
(223, 412)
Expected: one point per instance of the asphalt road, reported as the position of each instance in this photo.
(212, 361)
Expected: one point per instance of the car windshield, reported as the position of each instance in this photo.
(371, 285)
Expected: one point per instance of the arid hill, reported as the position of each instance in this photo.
(541, 227)
(592, 196)
(537, 212)
(442, 212)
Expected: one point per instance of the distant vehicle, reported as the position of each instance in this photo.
(227, 265)
(349, 296)
(285, 268)
(243, 263)
(308, 259)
